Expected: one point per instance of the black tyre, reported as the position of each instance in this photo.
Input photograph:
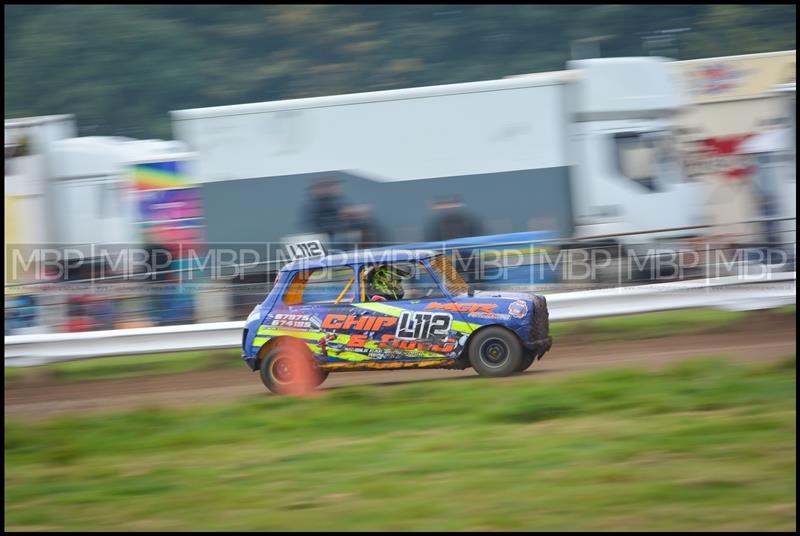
(541, 317)
(495, 351)
(290, 369)
(322, 375)
(526, 362)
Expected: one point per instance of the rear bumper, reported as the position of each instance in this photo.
(251, 361)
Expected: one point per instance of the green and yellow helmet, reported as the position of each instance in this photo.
(386, 281)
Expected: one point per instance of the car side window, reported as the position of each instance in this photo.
(398, 281)
(321, 285)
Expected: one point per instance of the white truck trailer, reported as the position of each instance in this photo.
(586, 151)
(114, 197)
(93, 185)
(27, 146)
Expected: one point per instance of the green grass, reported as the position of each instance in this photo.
(707, 444)
(641, 326)
(649, 325)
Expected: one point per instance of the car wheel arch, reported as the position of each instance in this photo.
(471, 337)
(274, 343)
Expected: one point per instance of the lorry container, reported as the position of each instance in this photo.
(582, 152)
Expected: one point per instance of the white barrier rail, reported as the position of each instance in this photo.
(737, 293)
(730, 293)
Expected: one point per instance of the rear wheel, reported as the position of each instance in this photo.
(322, 375)
(495, 351)
(290, 369)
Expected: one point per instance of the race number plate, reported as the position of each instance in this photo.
(304, 247)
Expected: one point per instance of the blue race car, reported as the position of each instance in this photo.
(388, 309)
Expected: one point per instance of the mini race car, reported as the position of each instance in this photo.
(387, 309)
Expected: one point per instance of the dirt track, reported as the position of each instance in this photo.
(765, 337)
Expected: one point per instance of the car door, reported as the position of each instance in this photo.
(419, 323)
(312, 309)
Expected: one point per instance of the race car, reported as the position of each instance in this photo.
(387, 309)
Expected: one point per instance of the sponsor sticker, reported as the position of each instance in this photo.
(469, 308)
(518, 309)
(361, 322)
(291, 320)
(358, 343)
(445, 346)
(490, 316)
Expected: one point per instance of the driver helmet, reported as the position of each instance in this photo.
(385, 282)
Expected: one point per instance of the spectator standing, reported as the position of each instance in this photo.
(451, 220)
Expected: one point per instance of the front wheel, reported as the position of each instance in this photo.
(526, 362)
(495, 351)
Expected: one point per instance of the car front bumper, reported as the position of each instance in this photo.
(540, 346)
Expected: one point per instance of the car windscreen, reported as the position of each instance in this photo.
(447, 274)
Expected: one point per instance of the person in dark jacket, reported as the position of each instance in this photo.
(357, 229)
(451, 220)
(322, 214)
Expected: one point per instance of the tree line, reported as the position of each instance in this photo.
(121, 69)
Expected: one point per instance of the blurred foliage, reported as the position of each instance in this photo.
(121, 69)
(705, 443)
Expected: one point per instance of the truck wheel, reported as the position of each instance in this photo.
(289, 369)
(495, 351)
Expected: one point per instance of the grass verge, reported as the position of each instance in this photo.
(108, 368)
(707, 443)
(650, 325)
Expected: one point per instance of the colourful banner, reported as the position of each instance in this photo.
(736, 77)
(170, 216)
(169, 206)
(159, 175)
(177, 204)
